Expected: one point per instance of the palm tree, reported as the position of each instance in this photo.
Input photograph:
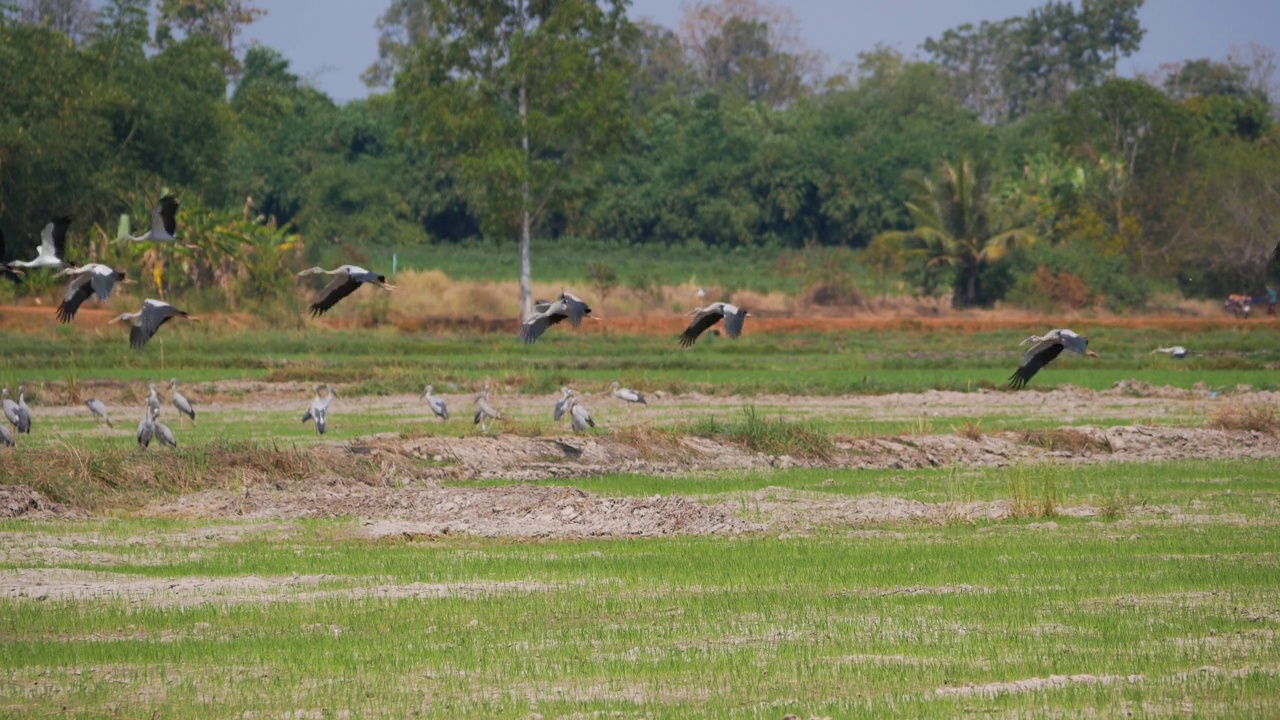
(956, 224)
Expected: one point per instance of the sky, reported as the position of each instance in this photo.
(330, 42)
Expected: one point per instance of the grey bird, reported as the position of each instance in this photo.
(579, 417)
(1044, 348)
(180, 401)
(162, 431)
(24, 412)
(11, 412)
(86, 282)
(1177, 352)
(6, 435)
(562, 405)
(153, 400)
(53, 246)
(99, 410)
(164, 222)
(704, 318)
(436, 404)
(146, 428)
(484, 411)
(568, 307)
(319, 410)
(147, 321)
(347, 278)
(627, 394)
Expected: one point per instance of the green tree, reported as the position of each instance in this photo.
(954, 224)
(221, 21)
(404, 23)
(514, 94)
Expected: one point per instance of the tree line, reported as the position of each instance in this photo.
(1002, 161)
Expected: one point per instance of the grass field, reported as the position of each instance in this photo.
(797, 363)
(1076, 585)
(1154, 612)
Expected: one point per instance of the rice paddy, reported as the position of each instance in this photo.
(744, 547)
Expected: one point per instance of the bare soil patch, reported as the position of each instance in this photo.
(432, 510)
(20, 501)
(1035, 685)
(58, 584)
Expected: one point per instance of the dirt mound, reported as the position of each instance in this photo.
(20, 501)
(515, 510)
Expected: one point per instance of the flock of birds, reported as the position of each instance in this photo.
(98, 280)
(18, 414)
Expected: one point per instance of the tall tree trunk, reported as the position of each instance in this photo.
(526, 213)
(971, 285)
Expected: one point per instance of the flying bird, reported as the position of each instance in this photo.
(1044, 348)
(436, 404)
(164, 222)
(346, 279)
(99, 410)
(546, 314)
(180, 401)
(53, 246)
(319, 410)
(12, 274)
(147, 321)
(704, 318)
(1177, 352)
(87, 281)
(484, 411)
(627, 394)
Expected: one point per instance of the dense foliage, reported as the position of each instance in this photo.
(723, 133)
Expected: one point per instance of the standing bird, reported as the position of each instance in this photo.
(6, 435)
(569, 306)
(12, 413)
(562, 405)
(99, 410)
(627, 394)
(704, 318)
(579, 417)
(162, 431)
(347, 279)
(147, 321)
(484, 411)
(164, 222)
(1044, 348)
(53, 245)
(87, 281)
(180, 401)
(153, 400)
(24, 412)
(146, 428)
(436, 404)
(319, 410)
(1177, 352)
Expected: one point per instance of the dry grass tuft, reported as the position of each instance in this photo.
(128, 479)
(1068, 440)
(971, 430)
(1254, 417)
(650, 441)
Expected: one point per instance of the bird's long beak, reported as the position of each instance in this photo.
(128, 281)
(193, 318)
(1091, 353)
(387, 287)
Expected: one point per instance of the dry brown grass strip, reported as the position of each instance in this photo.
(1067, 440)
(1253, 417)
